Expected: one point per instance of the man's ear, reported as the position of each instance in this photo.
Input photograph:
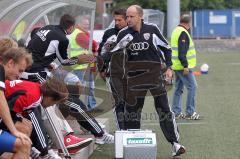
(70, 29)
(10, 63)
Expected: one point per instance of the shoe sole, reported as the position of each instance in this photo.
(80, 145)
(199, 118)
(192, 119)
(179, 118)
(180, 152)
(70, 153)
(102, 143)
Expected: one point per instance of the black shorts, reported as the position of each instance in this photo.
(15, 118)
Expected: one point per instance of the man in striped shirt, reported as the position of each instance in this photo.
(146, 50)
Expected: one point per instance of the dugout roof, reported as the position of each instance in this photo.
(19, 17)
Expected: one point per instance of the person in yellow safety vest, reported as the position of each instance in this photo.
(79, 44)
(76, 49)
(18, 32)
(184, 60)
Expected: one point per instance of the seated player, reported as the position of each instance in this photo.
(30, 96)
(13, 62)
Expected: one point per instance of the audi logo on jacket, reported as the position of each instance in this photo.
(148, 45)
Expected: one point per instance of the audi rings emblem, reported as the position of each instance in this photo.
(139, 46)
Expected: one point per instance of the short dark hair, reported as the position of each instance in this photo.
(54, 88)
(185, 18)
(120, 11)
(67, 21)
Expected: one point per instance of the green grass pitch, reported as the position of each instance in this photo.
(217, 135)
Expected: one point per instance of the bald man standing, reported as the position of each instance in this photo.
(146, 51)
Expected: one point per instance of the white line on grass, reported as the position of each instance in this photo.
(191, 123)
(178, 123)
(233, 63)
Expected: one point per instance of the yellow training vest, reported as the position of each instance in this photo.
(191, 53)
(19, 30)
(76, 50)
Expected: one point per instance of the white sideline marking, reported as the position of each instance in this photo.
(233, 63)
(191, 123)
(178, 123)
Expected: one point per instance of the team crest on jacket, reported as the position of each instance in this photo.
(146, 36)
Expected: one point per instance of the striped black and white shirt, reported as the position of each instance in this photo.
(148, 45)
(108, 40)
(50, 42)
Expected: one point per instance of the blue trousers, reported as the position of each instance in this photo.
(190, 83)
(87, 79)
